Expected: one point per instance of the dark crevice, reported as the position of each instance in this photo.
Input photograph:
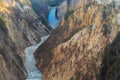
(110, 69)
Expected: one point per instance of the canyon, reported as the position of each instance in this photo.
(83, 41)
(85, 46)
(20, 27)
(30, 62)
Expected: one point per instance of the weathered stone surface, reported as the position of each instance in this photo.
(79, 48)
(20, 27)
(41, 7)
(62, 9)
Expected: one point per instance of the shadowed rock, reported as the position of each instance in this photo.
(62, 9)
(40, 7)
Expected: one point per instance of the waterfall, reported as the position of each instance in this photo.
(30, 62)
(52, 18)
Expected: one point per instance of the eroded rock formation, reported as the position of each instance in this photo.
(84, 47)
(20, 27)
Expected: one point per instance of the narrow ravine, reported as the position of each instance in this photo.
(33, 72)
(30, 62)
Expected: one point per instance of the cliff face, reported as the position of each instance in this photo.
(20, 27)
(41, 7)
(84, 47)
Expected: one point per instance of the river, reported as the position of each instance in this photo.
(32, 70)
(30, 62)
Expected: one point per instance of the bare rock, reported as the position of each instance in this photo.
(18, 29)
(84, 47)
(62, 9)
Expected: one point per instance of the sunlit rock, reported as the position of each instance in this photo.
(85, 47)
(62, 9)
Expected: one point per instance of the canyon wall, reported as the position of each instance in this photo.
(85, 46)
(20, 27)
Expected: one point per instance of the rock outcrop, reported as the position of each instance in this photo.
(84, 47)
(20, 27)
(41, 7)
(62, 9)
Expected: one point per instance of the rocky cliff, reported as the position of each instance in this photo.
(84, 47)
(20, 27)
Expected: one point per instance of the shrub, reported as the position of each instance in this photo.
(2, 25)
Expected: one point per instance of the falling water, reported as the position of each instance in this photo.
(52, 19)
(33, 72)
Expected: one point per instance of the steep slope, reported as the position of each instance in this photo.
(41, 7)
(20, 27)
(54, 3)
(76, 50)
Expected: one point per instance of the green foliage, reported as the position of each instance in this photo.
(110, 69)
(106, 29)
(68, 14)
(2, 22)
(2, 25)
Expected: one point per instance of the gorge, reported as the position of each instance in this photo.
(85, 45)
(59, 39)
(30, 62)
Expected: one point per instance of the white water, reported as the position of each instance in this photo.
(33, 72)
(53, 21)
